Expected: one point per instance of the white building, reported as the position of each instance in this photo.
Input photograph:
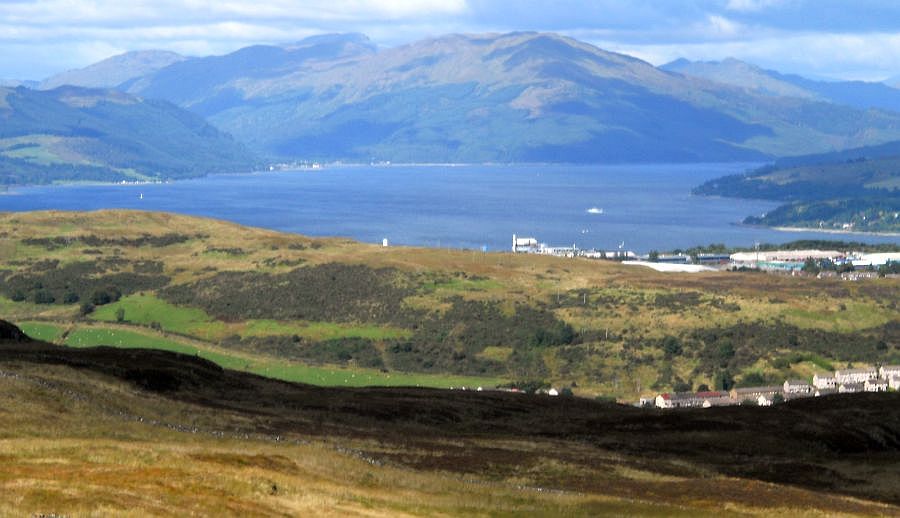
(693, 400)
(753, 393)
(782, 259)
(850, 388)
(797, 387)
(824, 381)
(875, 260)
(764, 400)
(525, 245)
(885, 372)
(877, 385)
(855, 375)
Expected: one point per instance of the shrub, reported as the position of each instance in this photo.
(44, 297)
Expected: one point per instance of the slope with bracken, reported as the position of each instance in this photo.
(337, 312)
(109, 431)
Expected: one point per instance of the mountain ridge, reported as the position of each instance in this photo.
(858, 94)
(114, 71)
(516, 97)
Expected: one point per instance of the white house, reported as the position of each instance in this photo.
(765, 400)
(856, 375)
(850, 388)
(885, 372)
(753, 393)
(824, 381)
(878, 385)
(797, 387)
(692, 400)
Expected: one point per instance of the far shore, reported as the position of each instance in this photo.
(835, 231)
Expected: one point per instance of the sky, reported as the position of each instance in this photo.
(835, 39)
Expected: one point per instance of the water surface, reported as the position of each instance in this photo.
(645, 206)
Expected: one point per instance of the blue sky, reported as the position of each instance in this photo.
(818, 38)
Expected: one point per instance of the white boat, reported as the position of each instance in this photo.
(595, 210)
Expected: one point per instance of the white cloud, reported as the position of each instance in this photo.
(751, 5)
(719, 26)
(152, 11)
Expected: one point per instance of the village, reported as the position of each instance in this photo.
(845, 381)
(851, 266)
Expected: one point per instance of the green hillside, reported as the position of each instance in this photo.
(77, 134)
(331, 311)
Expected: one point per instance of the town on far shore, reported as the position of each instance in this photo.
(844, 381)
(813, 262)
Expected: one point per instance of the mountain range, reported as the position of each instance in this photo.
(517, 97)
(531, 97)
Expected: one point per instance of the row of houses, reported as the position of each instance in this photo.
(840, 382)
(850, 380)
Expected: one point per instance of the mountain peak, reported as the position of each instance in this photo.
(114, 71)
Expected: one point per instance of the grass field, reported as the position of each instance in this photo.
(42, 331)
(145, 309)
(269, 367)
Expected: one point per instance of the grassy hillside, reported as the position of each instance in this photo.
(334, 311)
(137, 432)
(76, 134)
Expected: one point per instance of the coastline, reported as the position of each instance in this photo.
(834, 231)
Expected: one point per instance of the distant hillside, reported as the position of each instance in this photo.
(14, 83)
(858, 94)
(114, 71)
(512, 97)
(77, 134)
(856, 190)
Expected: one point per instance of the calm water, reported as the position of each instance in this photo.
(646, 206)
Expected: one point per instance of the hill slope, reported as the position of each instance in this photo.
(113, 431)
(512, 97)
(77, 134)
(337, 312)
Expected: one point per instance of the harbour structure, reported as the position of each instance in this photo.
(526, 245)
(875, 260)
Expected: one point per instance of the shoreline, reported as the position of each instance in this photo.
(834, 231)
